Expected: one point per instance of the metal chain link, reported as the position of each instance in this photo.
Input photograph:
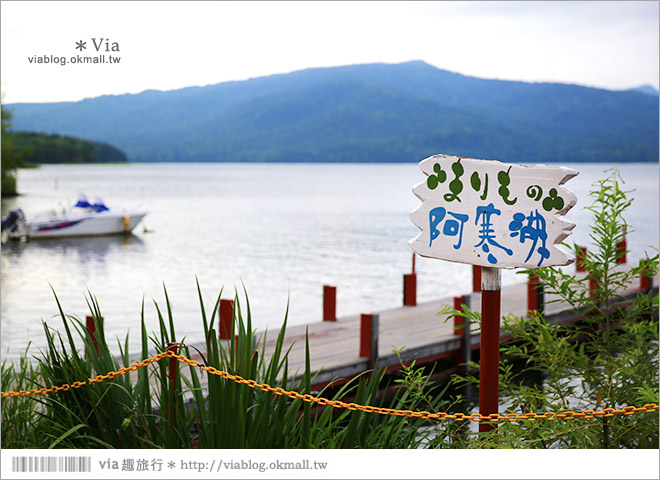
(475, 417)
(78, 384)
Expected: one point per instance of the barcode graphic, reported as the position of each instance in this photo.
(51, 464)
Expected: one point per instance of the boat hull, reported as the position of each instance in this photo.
(103, 223)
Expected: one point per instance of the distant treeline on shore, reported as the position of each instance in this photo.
(41, 148)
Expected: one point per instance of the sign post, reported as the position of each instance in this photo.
(489, 371)
(494, 215)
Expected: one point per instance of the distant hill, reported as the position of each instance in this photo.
(647, 89)
(41, 148)
(363, 113)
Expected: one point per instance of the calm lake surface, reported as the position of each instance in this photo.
(282, 230)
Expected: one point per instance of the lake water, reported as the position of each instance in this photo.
(282, 230)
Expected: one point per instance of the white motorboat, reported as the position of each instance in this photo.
(83, 219)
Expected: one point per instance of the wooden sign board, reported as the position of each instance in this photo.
(493, 214)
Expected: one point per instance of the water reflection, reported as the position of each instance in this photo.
(281, 230)
(70, 266)
(86, 248)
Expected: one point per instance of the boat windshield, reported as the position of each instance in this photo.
(99, 207)
(82, 203)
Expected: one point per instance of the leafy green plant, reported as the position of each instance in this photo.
(149, 409)
(19, 414)
(432, 433)
(607, 359)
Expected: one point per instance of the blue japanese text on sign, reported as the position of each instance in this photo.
(488, 213)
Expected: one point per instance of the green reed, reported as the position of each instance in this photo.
(147, 410)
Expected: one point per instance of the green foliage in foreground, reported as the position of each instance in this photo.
(146, 411)
(608, 360)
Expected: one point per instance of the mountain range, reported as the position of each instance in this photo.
(363, 113)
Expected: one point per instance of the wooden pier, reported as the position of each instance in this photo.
(417, 331)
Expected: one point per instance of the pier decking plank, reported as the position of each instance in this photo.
(418, 330)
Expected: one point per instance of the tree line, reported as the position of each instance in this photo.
(40, 148)
(25, 149)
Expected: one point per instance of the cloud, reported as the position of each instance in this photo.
(167, 45)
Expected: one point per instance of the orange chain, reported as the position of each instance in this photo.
(97, 379)
(475, 417)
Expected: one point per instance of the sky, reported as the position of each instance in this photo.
(171, 45)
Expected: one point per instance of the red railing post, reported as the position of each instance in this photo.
(459, 321)
(91, 329)
(172, 375)
(622, 247)
(410, 286)
(369, 337)
(593, 285)
(173, 371)
(365, 335)
(532, 281)
(476, 278)
(580, 264)
(329, 303)
(410, 289)
(226, 313)
(462, 328)
(645, 282)
(535, 300)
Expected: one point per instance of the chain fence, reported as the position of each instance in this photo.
(475, 417)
